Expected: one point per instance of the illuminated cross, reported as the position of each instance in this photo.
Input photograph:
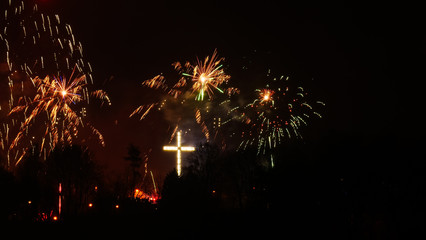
(178, 148)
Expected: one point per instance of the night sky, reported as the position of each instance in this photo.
(366, 61)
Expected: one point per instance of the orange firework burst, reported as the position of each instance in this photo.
(69, 92)
(36, 110)
(208, 75)
(56, 97)
(265, 95)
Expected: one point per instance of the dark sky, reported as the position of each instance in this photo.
(366, 59)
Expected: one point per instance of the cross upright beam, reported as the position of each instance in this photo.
(179, 148)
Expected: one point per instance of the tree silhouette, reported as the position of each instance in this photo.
(171, 193)
(9, 199)
(30, 173)
(73, 167)
(212, 178)
(203, 162)
(135, 163)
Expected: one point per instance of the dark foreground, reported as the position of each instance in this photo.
(253, 224)
(346, 190)
(215, 225)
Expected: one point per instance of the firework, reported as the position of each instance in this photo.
(187, 97)
(56, 97)
(39, 51)
(278, 112)
(207, 75)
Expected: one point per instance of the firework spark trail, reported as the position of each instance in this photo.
(145, 159)
(172, 136)
(204, 129)
(39, 51)
(140, 108)
(39, 45)
(102, 95)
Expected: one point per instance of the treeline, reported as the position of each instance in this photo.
(32, 191)
(345, 185)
